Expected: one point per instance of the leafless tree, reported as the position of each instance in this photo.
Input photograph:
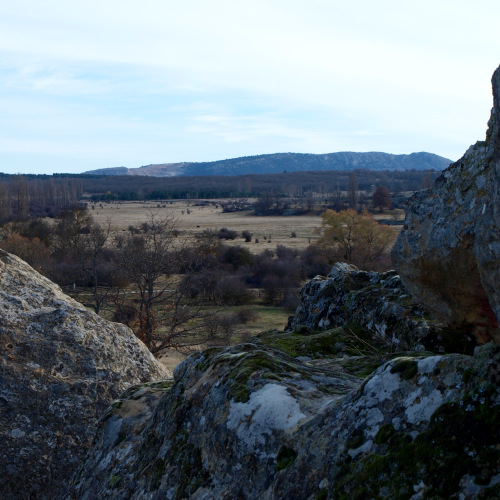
(167, 313)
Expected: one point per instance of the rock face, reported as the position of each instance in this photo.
(61, 366)
(252, 422)
(448, 255)
(487, 247)
(377, 304)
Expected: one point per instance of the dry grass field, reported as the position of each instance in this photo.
(269, 230)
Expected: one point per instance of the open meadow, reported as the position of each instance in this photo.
(192, 218)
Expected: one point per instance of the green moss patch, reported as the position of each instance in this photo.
(114, 481)
(269, 365)
(407, 368)
(461, 439)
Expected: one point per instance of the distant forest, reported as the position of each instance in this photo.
(295, 184)
(23, 196)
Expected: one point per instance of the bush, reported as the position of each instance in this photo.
(231, 291)
(316, 262)
(245, 315)
(237, 257)
(227, 234)
(219, 328)
(247, 235)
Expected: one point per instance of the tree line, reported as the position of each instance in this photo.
(23, 196)
(286, 184)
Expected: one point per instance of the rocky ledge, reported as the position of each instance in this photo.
(378, 305)
(253, 422)
(60, 367)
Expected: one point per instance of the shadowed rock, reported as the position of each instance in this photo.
(378, 305)
(60, 367)
(448, 255)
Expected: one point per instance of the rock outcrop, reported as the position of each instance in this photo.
(377, 304)
(448, 255)
(252, 422)
(487, 246)
(60, 367)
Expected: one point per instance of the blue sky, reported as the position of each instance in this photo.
(86, 85)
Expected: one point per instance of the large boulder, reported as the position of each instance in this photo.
(379, 306)
(448, 254)
(487, 247)
(60, 367)
(251, 422)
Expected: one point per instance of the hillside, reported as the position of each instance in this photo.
(290, 162)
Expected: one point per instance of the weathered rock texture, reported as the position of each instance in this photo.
(251, 422)
(60, 367)
(448, 255)
(377, 304)
(488, 228)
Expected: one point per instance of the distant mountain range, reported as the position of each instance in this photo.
(287, 162)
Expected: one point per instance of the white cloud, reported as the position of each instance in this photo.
(323, 74)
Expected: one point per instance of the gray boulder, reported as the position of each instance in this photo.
(448, 254)
(376, 305)
(251, 422)
(60, 367)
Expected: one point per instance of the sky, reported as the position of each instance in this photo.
(96, 84)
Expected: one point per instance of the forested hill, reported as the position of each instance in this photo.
(288, 162)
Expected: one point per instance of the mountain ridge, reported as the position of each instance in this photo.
(294, 162)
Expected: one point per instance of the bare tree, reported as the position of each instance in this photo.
(167, 314)
(5, 203)
(95, 247)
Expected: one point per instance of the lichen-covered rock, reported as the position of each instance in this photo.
(448, 254)
(60, 367)
(251, 422)
(376, 303)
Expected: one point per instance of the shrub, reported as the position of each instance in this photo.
(231, 291)
(227, 234)
(245, 315)
(237, 257)
(247, 235)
